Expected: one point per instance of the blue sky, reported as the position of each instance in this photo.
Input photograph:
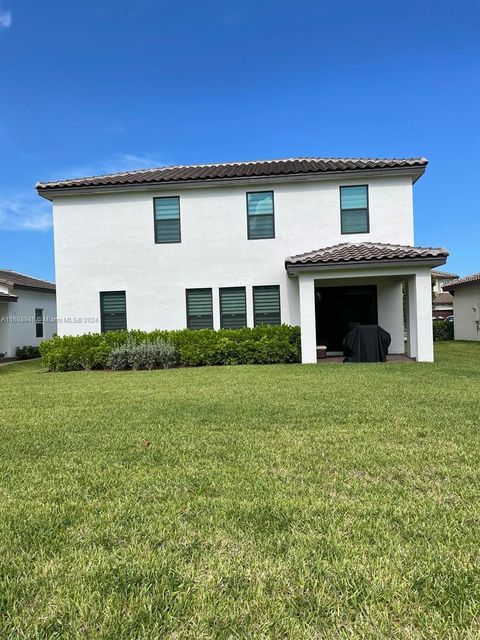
(105, 85)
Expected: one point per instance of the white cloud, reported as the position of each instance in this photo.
(29, 212)
(118, 163)
(25, 212)
(5, 19)
(129, 161)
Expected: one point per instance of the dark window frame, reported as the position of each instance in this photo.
(102, 324)
(39, 328)
(249, 236)
(349, 186)
(157, 241)
(221, 308)
(186, 305)
(267, 286)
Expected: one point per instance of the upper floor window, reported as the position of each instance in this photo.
(354, 209)
(199, 309)
(261, 223)
(39, 323)
(113, 310)
(167, 219)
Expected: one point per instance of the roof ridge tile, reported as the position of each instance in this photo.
(364, 252)
(227, 170)
(471, 279)
(22, 279)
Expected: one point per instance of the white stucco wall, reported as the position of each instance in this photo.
(106, 242)
(420, 328)
(390, 312)
(466, 312)
(17, 319)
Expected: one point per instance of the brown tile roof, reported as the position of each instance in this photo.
(347, 253)
(443, 298)
(443, 274)
(19, 280)
(231, 170)
(473, 279)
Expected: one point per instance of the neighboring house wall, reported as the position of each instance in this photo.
(105, 242)
(439, 282)
(20, 328)
(466, 304)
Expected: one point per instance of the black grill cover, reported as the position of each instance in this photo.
(366, 343)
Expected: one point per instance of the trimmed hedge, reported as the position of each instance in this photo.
(261, 345)
(442, 330)
(27, 352)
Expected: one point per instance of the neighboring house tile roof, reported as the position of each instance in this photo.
(231, 170)
(19, 280)
(443, 274)
(347, 253)
(473, 279)
(443, 298)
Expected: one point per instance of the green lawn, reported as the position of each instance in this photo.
(282, 501)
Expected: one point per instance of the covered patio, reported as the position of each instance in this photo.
(348, 285)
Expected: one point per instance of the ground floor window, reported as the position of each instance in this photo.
(199, 309)
(39, 323)
(266, 305)
(233, 308)
(113, 310)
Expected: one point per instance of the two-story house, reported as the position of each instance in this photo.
(324, 243)
(442, 300)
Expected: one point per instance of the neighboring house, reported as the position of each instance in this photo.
(27, 311)
(442, 300)
(466, 306)
(318, 242)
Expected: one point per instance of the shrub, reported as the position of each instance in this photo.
(121, 350)
(27, 352)
(143, 355)
(119, 357)
(442, 330)
(88, 351)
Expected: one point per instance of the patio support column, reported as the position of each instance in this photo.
(390, 312)
(5, 329)
(420, 316)
(412, 317)
(306, 286)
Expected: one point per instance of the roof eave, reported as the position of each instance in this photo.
(293, 269)
(28, 287)
(49, 192)
(450, 288)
